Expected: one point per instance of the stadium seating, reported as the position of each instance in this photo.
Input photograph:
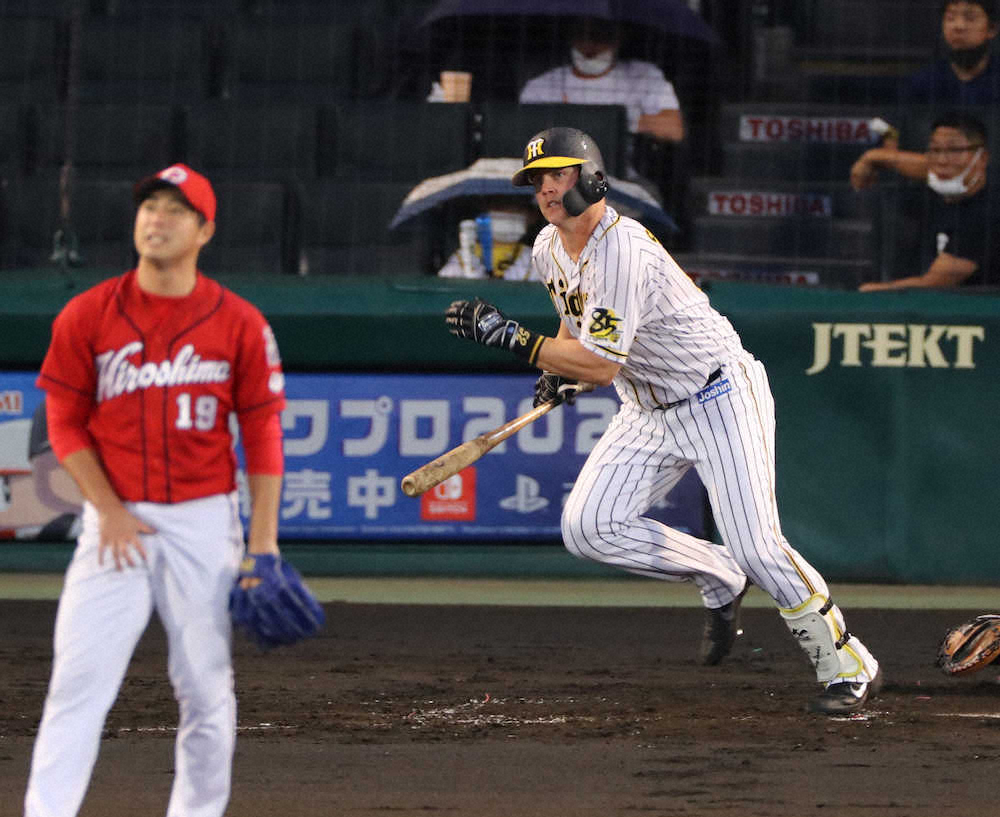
(507, 126)
(782, 202)
(32, 59)
(345, 229)
(283, 61)
(312, 116)
(256, 229)
(256, 225)
(167, 9)
(14, 125)
(381, 140)
(234, 142)
(148, 60)
(53, 9)
(114, 141)
(100, 219)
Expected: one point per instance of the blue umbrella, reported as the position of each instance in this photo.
(667, 16)
(491, 177)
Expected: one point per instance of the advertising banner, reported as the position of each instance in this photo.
(349, 440)
(38, 498)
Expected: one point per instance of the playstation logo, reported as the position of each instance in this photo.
(526, 497)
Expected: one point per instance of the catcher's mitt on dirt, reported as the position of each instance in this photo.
(280, 609)
(970, 646)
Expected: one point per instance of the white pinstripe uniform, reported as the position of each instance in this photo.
(628, 301)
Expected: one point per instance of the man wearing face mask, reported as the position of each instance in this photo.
(962, 229)
(596, 77)
(655, 154)
(968, 74)
(496, 244)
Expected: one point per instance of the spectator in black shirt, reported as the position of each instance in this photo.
(963, 226)
(968, 74)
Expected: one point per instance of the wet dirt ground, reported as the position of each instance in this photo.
(489, 710)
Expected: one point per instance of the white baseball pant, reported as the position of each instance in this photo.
(192, 563)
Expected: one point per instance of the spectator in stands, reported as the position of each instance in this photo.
(969, 74)
(656, 156)
(595, 76)
(496, 244)
(962, 228)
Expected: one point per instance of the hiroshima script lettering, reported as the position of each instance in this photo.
(116, 375)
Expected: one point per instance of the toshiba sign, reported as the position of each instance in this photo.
(762, 203)
(833, 129)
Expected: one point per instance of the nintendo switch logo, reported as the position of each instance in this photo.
(452, 500)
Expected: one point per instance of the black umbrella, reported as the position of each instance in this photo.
(667, 16)
(503, 43)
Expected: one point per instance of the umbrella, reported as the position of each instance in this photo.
(667, 16)
(491, 177)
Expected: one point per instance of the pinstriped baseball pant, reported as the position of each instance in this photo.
(729, 439)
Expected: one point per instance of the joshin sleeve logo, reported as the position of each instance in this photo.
(604, 325)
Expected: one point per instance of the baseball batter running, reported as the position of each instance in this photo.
(142, 376)
(691, 395)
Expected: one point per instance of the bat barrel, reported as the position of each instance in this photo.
(451, 462)
(410, 486)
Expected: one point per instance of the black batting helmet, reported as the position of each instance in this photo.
(566, 147)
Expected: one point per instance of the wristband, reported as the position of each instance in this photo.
(526, 344)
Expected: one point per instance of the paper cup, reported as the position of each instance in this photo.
(457, 85)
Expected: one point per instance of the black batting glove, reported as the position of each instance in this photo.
(482, 322)
(550, 386)
(485, 324)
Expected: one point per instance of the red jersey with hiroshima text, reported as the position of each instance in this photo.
(156, 379)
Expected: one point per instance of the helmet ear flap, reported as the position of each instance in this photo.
(596, 184)
(573, 201)
(590, 188)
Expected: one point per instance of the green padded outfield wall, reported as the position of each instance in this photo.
(886, 439)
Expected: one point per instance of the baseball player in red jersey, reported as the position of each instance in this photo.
(691, 396)
(142, 375)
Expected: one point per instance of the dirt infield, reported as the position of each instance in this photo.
(461, 710)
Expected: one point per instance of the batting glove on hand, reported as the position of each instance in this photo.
(551, 386)
(482, 322)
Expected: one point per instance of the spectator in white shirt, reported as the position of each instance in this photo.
(595, 76)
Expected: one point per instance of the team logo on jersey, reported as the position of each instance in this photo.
(117, 375)
(271, 347)
(604, 325)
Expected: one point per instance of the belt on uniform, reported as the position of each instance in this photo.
(711, 379)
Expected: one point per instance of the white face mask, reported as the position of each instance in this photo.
(508, 227)
(592, 66)
(955, 186)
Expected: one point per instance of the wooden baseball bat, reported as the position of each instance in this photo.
(451, 462)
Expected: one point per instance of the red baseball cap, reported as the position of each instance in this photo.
(194, 187)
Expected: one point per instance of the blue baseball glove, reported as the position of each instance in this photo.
(278, 610)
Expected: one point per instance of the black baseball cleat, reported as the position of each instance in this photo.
(847, 697)
(722, 625)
